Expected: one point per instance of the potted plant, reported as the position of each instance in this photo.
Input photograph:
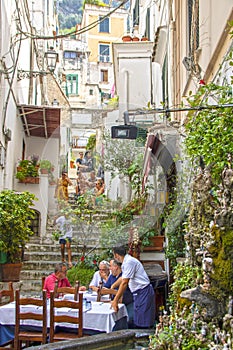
(28, 170)
(46, 166)
(154, 241)
(15, 220)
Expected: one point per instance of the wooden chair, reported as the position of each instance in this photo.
(106, 291)
(67, 290)
(30, 336)
(67, 318)
(42, 282)
(7, 294)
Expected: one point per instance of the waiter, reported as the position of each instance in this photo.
(134, 276)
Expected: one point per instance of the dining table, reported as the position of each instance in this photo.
(98, 317)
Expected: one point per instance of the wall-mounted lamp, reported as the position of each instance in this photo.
(51, 57)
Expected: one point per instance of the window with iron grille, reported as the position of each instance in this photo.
(104, 25)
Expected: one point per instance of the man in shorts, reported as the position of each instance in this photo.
(65, 239)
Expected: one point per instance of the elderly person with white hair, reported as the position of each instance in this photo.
(100, 276)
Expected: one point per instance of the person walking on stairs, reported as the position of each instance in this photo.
(65, 227)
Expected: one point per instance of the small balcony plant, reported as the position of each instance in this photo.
(28, 169)
(46, 166)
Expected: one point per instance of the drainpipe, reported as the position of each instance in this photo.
(124, 106)
(126, 80)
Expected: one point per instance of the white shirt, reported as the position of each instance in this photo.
(96, 279)
(65, 227)
(133, 269)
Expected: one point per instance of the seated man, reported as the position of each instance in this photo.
(100, 276)
(58, 275)
(116, 273)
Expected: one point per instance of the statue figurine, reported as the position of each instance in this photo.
(204, 330)
(217, 336)
(192, 307)
(230, 305)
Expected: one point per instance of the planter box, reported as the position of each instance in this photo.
(30, 180)
(156, 244)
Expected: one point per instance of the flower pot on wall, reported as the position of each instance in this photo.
(127, 38)
(44, 171)
(135, 38)
(156, 244)
(10, 272)
(30, 180)
(72, 166)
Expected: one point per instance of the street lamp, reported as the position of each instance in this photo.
(51, 57)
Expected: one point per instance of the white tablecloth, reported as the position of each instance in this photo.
(89, 296)
(101, 317)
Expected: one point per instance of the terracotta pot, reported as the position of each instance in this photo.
(44, 171)
(11, 272)
(126, 38)
(30, 180)
(72, 166)
(135, 38)
(144, 39)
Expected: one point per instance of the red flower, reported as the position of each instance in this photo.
(201, 82)
(82, 258)
(94, 262)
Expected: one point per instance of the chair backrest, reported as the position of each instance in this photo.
(60, 291)
(42, 282)
(31, 314)
(105, 291)
(9, 293)
(56, 318)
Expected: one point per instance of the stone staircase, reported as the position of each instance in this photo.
(40, 258)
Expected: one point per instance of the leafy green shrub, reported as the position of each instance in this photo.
(80, 273)
(185, 277)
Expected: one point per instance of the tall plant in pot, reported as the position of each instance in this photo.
(15, 219)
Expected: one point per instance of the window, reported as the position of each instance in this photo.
(70, 54)
(71, 84)
(147, 33)
(136, 13)
(91, 92)
(104, 25)
(104, 52)
(193, 25)
(165, 82)
(104, 75)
